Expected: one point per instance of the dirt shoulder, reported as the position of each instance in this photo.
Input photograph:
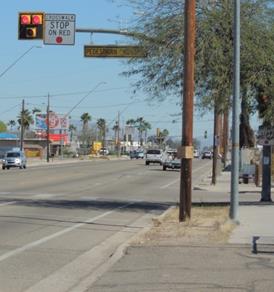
(208, 225)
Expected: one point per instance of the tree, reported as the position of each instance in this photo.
(141, 125)
(3, 127)
(116, 129)
(196, 143)
(72, 129)
(11, 124)
(85, 118)
(36, 110)
(102, 127)
(25, 118)
(162, 135)
(161, 72)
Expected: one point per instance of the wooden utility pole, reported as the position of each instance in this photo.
(22, 126)
(187, 111)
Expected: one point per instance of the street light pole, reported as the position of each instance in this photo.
(234, 196)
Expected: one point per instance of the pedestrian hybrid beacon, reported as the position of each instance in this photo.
(31, 26)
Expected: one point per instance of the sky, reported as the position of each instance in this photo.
(67, 76)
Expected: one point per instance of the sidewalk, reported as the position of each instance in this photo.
(194, 257)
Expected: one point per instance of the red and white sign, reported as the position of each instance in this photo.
(59, 29)
(56, 121)
(61, 138)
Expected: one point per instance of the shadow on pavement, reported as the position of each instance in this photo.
(120, 205)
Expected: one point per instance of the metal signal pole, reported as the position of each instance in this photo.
(234, 195)
(48, 154)
(118, 136)
(187, 120)
(22, 126)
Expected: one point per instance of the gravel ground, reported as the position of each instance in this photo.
(208, 225)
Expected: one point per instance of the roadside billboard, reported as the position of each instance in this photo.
(56, 121)
(60, 138)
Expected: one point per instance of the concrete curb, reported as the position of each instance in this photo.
(65, 161)
(120, 251)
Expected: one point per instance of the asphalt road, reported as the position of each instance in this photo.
(59, 223)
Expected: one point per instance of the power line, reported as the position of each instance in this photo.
(10, 109)
(62, 94)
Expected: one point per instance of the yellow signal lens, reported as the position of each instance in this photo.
(31, 32)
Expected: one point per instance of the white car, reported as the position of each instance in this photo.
(207, 155)
(196, 153)
(154, 156)
(104, 151)
(14, 159)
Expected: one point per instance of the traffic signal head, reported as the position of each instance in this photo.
(30, 25)
(205, 135)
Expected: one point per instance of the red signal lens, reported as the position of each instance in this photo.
(25, 19)
(37, 19)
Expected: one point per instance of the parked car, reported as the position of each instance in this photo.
(136, 154)
(171, 161)
(207, 155)
(14, 159)
(196, 153)
(154, 156)
(103, 151)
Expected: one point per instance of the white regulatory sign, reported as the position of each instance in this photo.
(59, 29)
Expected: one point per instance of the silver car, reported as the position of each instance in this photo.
(154, 156)
(14, 159)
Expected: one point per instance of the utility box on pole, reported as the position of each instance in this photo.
(266, 184)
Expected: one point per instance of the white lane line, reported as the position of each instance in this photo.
(178, 179)
(8, 203)
(44, 196)
(59, 233)
(170, 184)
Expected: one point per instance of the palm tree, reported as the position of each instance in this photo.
(116, 129)
(146, 126)
(131, 122)
(72, 129)
(101, 124)
(85, 118)
(11, 124)
(36, 110)
(141, 125)
(26, 117)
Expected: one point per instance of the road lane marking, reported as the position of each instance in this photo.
(178, 179)
(59, 233)
(83, 271)
(170, 184)
(8, 203)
